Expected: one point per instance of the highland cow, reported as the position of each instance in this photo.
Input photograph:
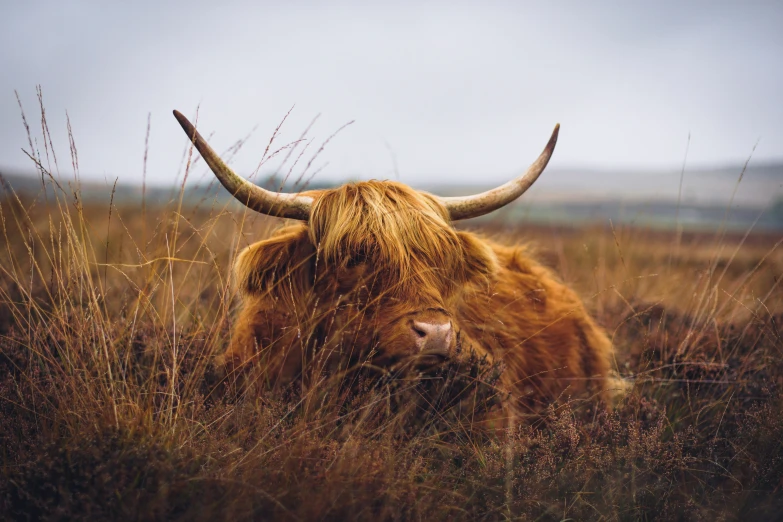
(375, 274)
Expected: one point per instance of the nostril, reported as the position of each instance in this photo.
(421, 332)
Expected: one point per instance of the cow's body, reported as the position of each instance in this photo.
(306, 309)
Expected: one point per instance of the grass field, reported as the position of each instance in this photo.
(109, 408)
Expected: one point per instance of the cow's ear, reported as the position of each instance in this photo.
(286, 257)
(480, 259)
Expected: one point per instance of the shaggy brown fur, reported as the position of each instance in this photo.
(342, 289)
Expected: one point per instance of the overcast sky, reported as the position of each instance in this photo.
(444, 91)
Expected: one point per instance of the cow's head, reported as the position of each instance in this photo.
(377, 263)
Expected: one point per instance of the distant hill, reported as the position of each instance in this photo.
(561, 196)
(761, 185)
(90, 190)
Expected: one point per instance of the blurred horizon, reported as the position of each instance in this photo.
(753, 184)
(737, 199)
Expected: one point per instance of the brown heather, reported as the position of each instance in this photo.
(110, 319)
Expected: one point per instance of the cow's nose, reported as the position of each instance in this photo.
(432, 338)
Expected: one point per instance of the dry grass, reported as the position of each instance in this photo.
(109, 409)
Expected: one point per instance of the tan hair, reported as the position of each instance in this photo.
(384, 221)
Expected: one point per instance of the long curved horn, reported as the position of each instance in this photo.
(292, 206)
(465, 207)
